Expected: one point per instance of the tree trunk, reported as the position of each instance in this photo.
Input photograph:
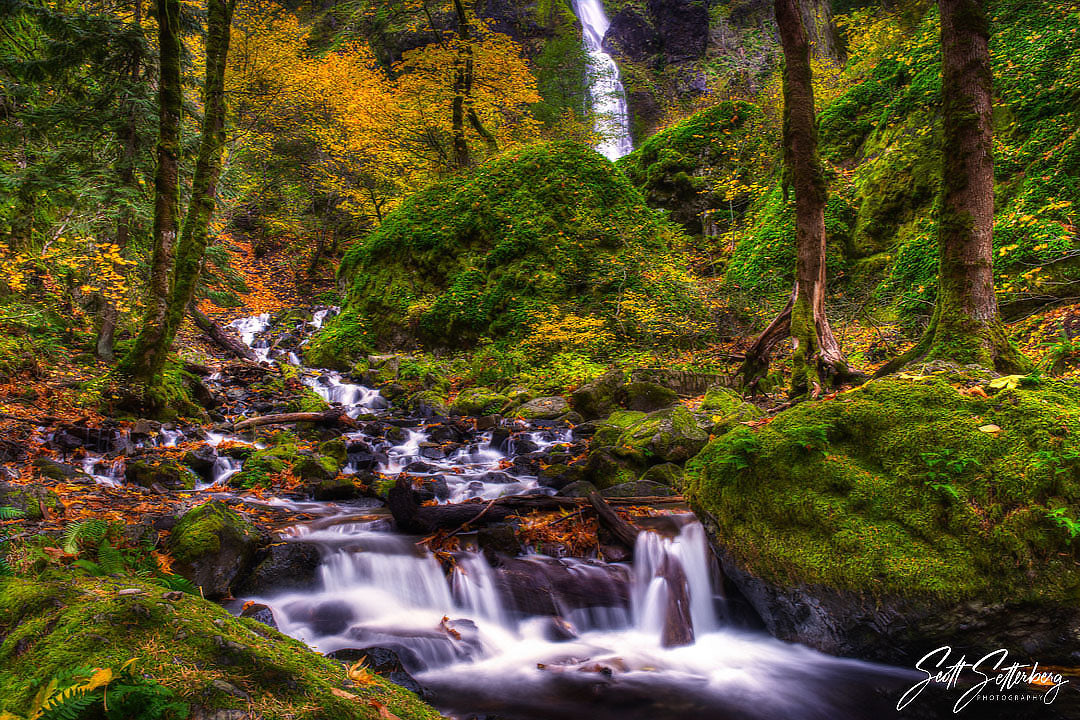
(966, 327)
(816, 360)
(147, 356)
(129, 139)
(161, 330)
(226, 341)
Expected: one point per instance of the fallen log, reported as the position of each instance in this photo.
(326, 417)
(226, 341)
(621, 530)
(411, 517)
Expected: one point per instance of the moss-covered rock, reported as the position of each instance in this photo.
(30, 499)
(426, 403)
(543, 408)
(909, 496)
(164, 472)
(638, 488)
(612, 427)
(61, 472)
(668, 474)
(190, 647)
(316, 468)
(486, 255)
(645, 396)
(725, 409)
(671, 435)
(605, 467)
(596, 399)
(478, 401)
(212, 546)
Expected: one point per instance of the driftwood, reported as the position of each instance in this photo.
(332, 416)
(621, 530)
(225, 340)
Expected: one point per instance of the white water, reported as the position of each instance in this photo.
(606, 91)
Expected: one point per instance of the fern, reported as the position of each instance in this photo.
(88, 532)
(110, 559)
(10, 513)
(177, 582)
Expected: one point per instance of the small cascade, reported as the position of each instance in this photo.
(224, 468)
(357, 398)
(606, 91)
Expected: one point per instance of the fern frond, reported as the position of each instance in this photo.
(10, 513)
(89, 532)
(110, 559)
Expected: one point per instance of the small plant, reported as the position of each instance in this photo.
(1065, 522)
(82, 692)
(6, 513)
(744, 445)
(810, 438)
(943, 467)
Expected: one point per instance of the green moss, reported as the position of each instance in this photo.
(609, 430)
(894, 488)
(726, 409)
(200, 531)
(195, 648)
(668, 435)
(489, 254)
(478, 401)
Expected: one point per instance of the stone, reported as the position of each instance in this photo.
(288, 565)
(212, 546)
(543, 408)
(645, 396)
(667, 474)
(161, 472)
(671, 435)
(638, 488)
(631, 36)
(61, 472)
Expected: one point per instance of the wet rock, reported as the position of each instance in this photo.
(334, 449)
(432, 451)
(543, 408)
(202, 460)
(522, 443)
(60, 472)
(498, 539)
(499, 437)
(683, 26)
(396, 435)
(161, 472)
(631, 36)
(496, 477)
(95, 439)
(487, 422)
(540, 585)
(212, 546)
(559, 475)
(427, 403)
(678, 626)
(316, 468)
(419, 466)
(260, 613)
(432, 488)
(556, 629)
(383, 661)
(339, 487)
(638, 488)
(282, 566)
(645, 396)
(445, 433)
(331, 618)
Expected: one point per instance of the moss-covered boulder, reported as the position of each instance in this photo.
(543, 408)
(668, 474)
(185, 649)
(687, 168)
(539, 231)
(212, 546)
(614, 425)
(638, 488)
(61, 472)
(478, 401)
(426, 403)
(645, 396)
(929, 509)
(32, 500)
(671, 435)
(726, 409)
(605, 467)
(162, 472)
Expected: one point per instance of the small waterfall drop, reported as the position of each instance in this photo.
(606, 91)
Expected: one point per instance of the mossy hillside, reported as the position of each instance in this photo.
(906, 486)
(711, 159)
(540, 232)
(210, 659)
(881, 140)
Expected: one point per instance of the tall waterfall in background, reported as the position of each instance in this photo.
(605, 88)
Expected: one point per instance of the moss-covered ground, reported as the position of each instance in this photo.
(204, 655)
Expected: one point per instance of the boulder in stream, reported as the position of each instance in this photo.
(212, 546)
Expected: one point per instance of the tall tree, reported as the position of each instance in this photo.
(817, 359)
(965, 326)
(144, 361)
(176, 265)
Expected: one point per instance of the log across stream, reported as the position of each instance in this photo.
(530, 636)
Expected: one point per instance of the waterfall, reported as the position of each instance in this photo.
(606, 91)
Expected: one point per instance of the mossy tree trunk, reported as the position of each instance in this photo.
(817, 359)
(146, 358)
(171, 298)
(965, 326)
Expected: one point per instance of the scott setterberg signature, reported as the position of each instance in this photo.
(990, 668)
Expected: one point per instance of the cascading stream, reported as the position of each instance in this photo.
(606, 93)
(534, 638)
